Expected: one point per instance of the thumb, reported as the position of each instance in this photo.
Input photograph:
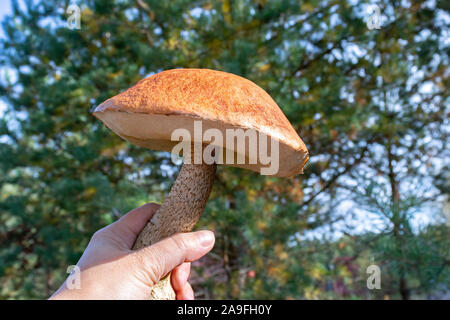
(157, 260)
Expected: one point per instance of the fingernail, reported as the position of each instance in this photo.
(206, 238)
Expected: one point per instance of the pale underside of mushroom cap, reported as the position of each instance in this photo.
(148, 113)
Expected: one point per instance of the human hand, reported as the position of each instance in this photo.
(111, 270)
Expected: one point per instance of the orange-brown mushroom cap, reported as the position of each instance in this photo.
(147, 113)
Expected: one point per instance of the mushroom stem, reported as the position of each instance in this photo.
(179, 212)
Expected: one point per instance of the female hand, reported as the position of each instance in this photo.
(109, 269)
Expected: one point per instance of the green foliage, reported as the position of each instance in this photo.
(371, 105)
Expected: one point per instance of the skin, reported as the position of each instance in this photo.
(110, 269)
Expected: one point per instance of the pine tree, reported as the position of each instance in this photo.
(371, 105)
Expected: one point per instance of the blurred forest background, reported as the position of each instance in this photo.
(371, 105)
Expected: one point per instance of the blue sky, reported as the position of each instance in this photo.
(5, 8)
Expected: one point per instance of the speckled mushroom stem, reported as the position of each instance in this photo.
(179, 212)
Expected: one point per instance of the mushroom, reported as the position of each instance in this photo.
(148, 113)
